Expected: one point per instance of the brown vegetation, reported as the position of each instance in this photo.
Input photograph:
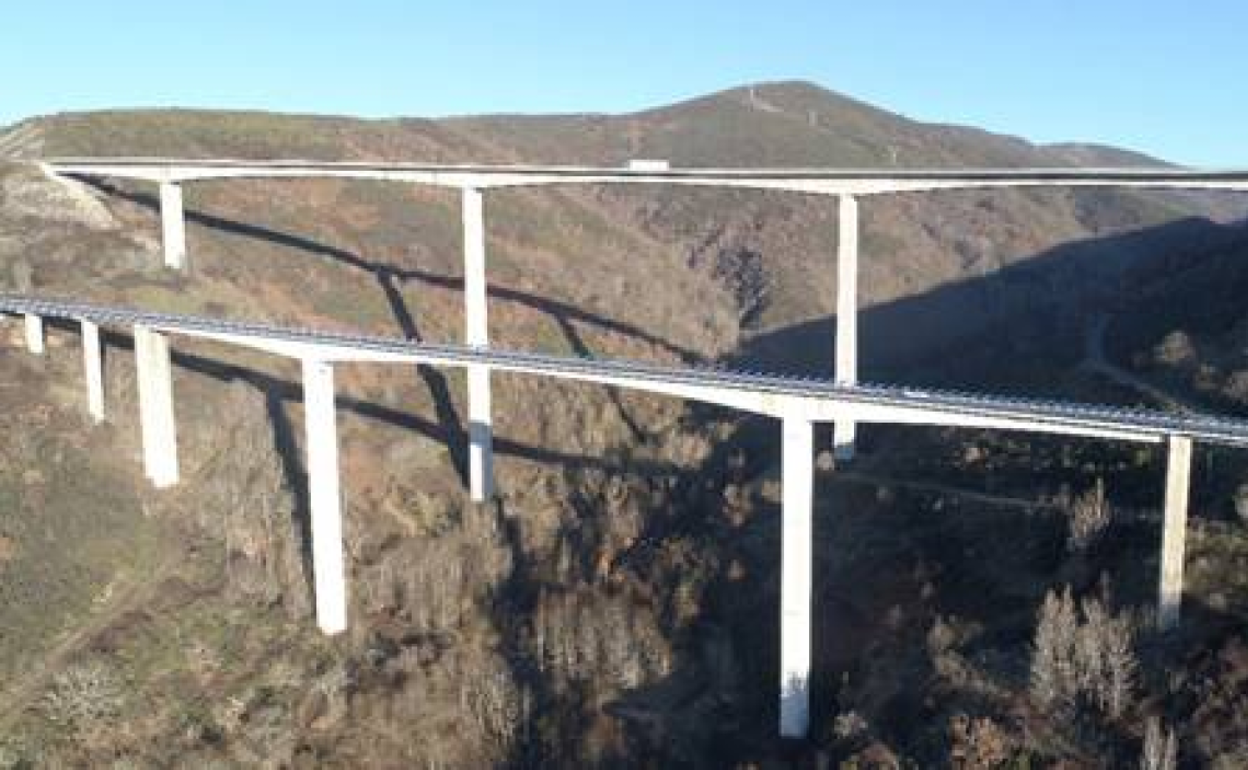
(616, 605)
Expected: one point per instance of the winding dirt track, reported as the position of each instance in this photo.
(1095, 361)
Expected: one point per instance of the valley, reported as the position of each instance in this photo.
(614, 604)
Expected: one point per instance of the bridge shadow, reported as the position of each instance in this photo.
(564, 314)
(280, 393)
(390, 279)
(286, 391)
(1049, 293)
(950, 336)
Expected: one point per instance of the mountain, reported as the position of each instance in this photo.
(616, 605)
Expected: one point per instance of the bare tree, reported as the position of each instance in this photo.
(1083, 653)
(1089, 516)
(1119, 667)
(1161, 748)
(496, 702)
(1052, 674)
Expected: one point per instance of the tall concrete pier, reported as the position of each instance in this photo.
(796, 553)
(1174, 530)
(156, 417)
(172, 225)
(326, 496)
(34, 334)
(844, 430)
(476, 303)
(93, 369)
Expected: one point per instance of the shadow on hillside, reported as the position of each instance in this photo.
(1054, 292)
(390, 279)
(391, 276)
(1056, 286)
(282, 392)
(279, 393)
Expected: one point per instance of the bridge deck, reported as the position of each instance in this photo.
(813, 180)
(944, 407)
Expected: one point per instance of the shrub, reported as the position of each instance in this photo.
(979, 743)
(83, 694)
(849, 726)
(580, 637)
(1241, 502)
(1175, 349)
(498, 705)
(13, 758)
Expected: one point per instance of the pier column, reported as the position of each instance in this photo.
(156, 416)
(93, 368)
(846, 317)
(173, 225)
(480, 423)
(797, 478)
(329, 572)
(34, 334)
(1174, 530)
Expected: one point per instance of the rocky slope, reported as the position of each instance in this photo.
(608, 609)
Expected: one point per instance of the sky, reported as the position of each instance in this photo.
(1167, 78)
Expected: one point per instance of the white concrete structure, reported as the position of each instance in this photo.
(820, 181)
(156, 415)
(173, 225)
(480, 435)
(93, 369)
(477, 334)
(326, 495)
(797, 403)
(1174, 530)
(796, 537)
(34, 334)
(846, 317)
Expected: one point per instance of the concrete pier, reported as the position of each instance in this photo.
(34, 334)
(480, 422)
(797, 462)
(480, 435)
(1174, 531)
(326, 496)
(93, 370)
(156, 415)
(846, 317)
(173, 225)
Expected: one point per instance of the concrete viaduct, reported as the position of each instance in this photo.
(798, 403)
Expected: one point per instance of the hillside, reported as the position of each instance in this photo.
(614, 606)
(754, 248)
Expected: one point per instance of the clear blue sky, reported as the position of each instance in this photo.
(1170, 78)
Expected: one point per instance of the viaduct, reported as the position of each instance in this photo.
(797, 403)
